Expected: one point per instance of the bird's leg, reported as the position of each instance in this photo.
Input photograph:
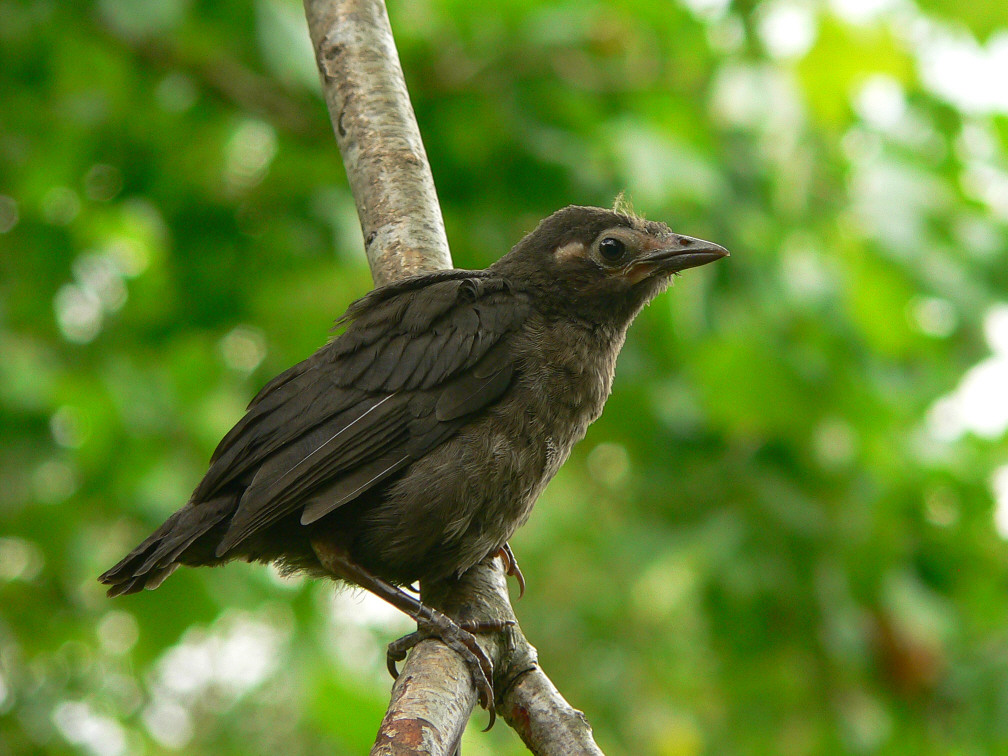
(430, 622)
(511, 567)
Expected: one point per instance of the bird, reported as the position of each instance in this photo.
(415, 442)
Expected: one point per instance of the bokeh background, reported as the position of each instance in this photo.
(785, 535)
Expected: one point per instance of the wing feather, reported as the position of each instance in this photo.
(351, 486)
(414, 364)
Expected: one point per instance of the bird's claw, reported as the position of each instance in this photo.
(398, 649)
(458, 636)
(511, 567)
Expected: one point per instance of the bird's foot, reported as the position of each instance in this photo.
(458, 636)
(511, 567)
(430, 622)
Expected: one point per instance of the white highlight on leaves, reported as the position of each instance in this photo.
(787, 29)
(357, 619)
(756, 97)
(168, 723)
(118, 632)
(933, 316)
(866, 11)
(98, 290)
(78, 314)
(248, 154)
(68, 426)
(980, 403)
(941, 507)
(53, 481)
(999, 483)
(881, 102)
(19, 559)
(243, 348)
(707, 9)
(835, 443)
(954, 66)
(215, 665)
(803, 268)
(989, 184)
(238, 654)
(81, 726)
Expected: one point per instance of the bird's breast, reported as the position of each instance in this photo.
(560, 389)
(464, 499)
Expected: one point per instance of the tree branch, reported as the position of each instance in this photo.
(378, 136)
(391, 181)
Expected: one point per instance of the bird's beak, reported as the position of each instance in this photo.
(677, 252)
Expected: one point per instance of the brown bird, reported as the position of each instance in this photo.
(415, 443)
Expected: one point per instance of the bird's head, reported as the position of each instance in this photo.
(603, 263)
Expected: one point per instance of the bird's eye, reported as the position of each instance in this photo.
(612, 250)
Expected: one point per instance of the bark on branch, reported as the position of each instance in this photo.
(391, 181)
(378, 137)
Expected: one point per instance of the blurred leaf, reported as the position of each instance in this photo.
(983, 19)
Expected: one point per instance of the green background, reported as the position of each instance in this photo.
(779, 538)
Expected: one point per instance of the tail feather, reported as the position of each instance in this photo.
(150, 581)
(150, 563)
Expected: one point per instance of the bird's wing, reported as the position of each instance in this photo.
(411, 368)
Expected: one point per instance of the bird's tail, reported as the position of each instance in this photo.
(156, 558)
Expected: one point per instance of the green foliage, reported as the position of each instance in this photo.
(779, 538)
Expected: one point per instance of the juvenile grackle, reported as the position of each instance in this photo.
(415, 443)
